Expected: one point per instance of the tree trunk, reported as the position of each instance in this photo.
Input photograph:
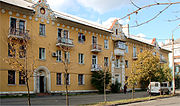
(150, 87)
(27, 85)
(105, 86)
(67, 99)
(133, 92)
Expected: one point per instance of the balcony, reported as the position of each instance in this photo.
(120, 45)
(119, 52)
(64, 42)
(96, 48)
(163, 60)
(95, 67)
(18, 33)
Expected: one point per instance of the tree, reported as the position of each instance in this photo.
(141, 8)
(115, 87)
(17, 48)
(98, 80)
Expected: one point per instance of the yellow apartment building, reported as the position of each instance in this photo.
(43, 40)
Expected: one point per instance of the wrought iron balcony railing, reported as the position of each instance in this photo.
(95, 67)
(65, 42)
(96, 48)
(18, 33)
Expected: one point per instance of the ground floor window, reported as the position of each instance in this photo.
(67, 79)
(80, 79)
(59, 79)
(11, 77)
(21, 77)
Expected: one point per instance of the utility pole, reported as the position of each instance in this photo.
(173, 64)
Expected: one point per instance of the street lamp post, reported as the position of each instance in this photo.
(173, 59)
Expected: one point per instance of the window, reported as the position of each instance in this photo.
(13, 26)
(81, 37)
(117, 63)
(58, 79)
(42, 29)
(154, 53)
(106, 61)
(58, 58)
(67, 57)
(42, 53)
(126, 48)
(94, 40)
(11, 50)
(126, 62)
(106, 44)
(22, 51)
(59, 33)
(116, 31)
(81, 58)
(67, 79)
(134, 51)
(21, 77)
(11, 77)
(21, 27)
(80, 79)
(141, 50)
(66, 34)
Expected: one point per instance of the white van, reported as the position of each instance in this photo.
(157, 88)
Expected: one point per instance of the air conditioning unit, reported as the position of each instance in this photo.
(54, 54)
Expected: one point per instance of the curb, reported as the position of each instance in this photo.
(144, 100)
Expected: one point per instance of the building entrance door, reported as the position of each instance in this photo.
(41, 81)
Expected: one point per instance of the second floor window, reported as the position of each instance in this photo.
(141, 50)
(106, 44)
(42, 29)
(81, 58)
(21, 27)
(126, 63)
(94, 40)
(11, 77)
(59, 79)
(81, 37)
(106, 61)
(66, 34)
(42, 53)
(67, 57)
(134, 52)
(117, 63)
(11, 50)
(22, 51)
(58, 58)
(126, 48)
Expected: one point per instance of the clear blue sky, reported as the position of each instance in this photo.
(95, 10)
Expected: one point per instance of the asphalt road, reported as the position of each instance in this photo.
(172, 101)
(74, 100)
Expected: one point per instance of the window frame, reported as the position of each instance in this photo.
(20, 75)
(57, 80)
(117, 65)
(11, 48)
(68, 76)
(59, 56)
(81, 79)
(81, 58)
(80, 37)
(43, 28)
(42, 54)
(134, 51)
(106, 60)
(14, 77)
(126, 49)
(106, 44)
(67, 57)
(126, 63)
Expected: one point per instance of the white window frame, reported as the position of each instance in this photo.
(43, 55)
(79, 83)
(134, 51)
(67, 55)
(59, 55)
(106, 44)
(44, 29)
(81, 58)
(106, 61)
(68, 79)
(117, 63)
(126, 50)
(57, 78)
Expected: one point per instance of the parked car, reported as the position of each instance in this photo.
(159, 88)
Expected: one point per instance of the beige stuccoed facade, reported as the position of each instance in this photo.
(46, 34)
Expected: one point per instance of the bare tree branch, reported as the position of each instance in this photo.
(177, 18)
(151, 5)
(152, 18)
(134, 4)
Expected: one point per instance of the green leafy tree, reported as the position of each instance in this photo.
(98, 80)
(115, 87)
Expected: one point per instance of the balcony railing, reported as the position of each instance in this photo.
(96, 48)
(120, 45)
(118, 52)
(95, 67)
(163, 60)
(65, 42)
(18, 33)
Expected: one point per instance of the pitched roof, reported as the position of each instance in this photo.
(28, 5)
